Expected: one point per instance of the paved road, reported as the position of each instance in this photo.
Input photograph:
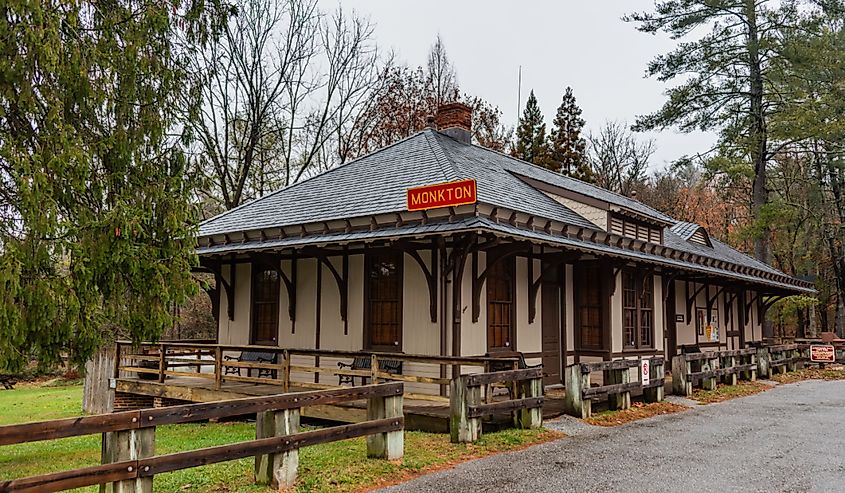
(789, 439)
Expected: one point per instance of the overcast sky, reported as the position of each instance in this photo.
(578, 43)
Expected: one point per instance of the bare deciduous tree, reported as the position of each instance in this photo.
(619, 161)
(280, 92)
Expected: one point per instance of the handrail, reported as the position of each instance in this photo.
(185, 359)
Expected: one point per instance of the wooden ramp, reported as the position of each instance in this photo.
(423, 415)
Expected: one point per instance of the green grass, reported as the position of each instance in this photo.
(339, 466)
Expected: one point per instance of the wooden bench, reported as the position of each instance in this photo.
(8, 381)
(252, 357)
(359, 363)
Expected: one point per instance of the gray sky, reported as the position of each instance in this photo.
(583, 44)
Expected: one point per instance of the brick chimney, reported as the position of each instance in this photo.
(455, 120)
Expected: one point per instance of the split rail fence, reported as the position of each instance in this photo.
(130, 463)
(705, 369)
(467, 408)
(616, 385)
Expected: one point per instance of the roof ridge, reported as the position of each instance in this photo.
(546, 170)
(292, 185)
(441, 157)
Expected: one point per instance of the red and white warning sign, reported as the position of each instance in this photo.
(645, 369)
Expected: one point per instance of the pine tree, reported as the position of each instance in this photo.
(567, 148)
(531, 134)
(96, 228)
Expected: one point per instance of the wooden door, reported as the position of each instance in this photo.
(383, 305)
(500, 305)
(551, 321)
(671, 325)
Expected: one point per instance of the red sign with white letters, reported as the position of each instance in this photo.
(442, 195)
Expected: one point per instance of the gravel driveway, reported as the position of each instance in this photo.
(789, 438)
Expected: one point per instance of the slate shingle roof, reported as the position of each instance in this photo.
(377, 183)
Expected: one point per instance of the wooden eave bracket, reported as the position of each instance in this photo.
(691, 299)
(494, 256)
(430, 275)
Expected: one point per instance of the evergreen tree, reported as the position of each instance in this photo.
(531, 134)
(567, 148)
(95, 224)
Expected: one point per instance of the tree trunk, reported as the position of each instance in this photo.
(758, 133)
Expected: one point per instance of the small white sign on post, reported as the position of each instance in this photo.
(645, 369)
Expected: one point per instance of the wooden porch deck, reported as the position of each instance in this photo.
(424, 415)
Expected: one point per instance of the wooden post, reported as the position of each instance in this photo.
(729, 362)
(709, 383)
(488, 389)
(654, 394)
(132, 445)
(461, 427)
(162, 362)
(374, 368)
(117, 360)
(620, 400)
(278, 470)
(286, 371)
(791, 364)
(680, 369)
(218, 367)
(573, 402)
(531, 417)
(390, 445)
(763, 358)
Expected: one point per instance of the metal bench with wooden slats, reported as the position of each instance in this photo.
(392, 366)
(252, 357)
(8, 382)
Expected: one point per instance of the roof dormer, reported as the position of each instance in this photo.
(692, 233)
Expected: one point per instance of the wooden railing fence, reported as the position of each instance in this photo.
(129, 458)
(467, 408)
(706, 368)
(162, 360)
(616, 385)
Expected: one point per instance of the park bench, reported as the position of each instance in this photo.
(252, 357)
(392, 366)
(508, 366)
(8, 382)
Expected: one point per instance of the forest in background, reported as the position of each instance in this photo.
(120, 129)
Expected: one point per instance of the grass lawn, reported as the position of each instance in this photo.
(727, 392)
(339, 466)
(810, 373)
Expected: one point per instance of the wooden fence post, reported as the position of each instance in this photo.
(620, 400)
(680, 368)
(461, 427)
(278, 470)
(654, 394)
(729, 378)
(531, 417)
(573, 402)
(709, 383)
(792, 354)
(162, 363)
(131, 445)
(218, 367)
(390, 445)
(286, 370)
(763, 358)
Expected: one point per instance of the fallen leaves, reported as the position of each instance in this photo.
(637, 411)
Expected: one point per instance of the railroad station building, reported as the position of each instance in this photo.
(436, 246)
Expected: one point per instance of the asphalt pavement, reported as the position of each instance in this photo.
(788, 439)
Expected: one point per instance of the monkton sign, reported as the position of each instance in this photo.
(442, 195)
